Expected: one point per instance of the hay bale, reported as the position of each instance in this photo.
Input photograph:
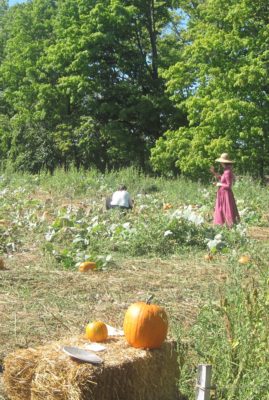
(126, 373)
(20, 371)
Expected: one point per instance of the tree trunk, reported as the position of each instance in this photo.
(153, 39)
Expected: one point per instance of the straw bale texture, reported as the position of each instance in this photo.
(125, 374)
(21, 369)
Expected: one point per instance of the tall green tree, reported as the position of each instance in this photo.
(110, 70)
(221, 81)
(4, 118)
(82, 80)
(29, 136)
(3, 11)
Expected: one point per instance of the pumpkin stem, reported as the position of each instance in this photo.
(150, 298)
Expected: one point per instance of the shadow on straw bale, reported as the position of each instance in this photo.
(125, 374)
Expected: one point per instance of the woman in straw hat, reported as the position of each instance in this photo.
(225, 209)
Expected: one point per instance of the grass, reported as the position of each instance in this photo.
(232, 332)
(42, 303)
(43, 297)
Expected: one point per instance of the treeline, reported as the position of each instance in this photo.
(167, 85)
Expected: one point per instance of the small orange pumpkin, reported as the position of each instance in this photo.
(167, 206)
(86, 266)
(208, 257)
(244, 259)
(145, 325)
(2, 264)
(96, 331)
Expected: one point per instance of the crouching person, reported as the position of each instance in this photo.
(120, 199)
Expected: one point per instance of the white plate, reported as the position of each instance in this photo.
(82, 355)
(95, 347)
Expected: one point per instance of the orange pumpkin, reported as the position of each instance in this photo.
(244, 259)
(167, 206)
(208, 257)
(96, 331)
(145, 325)
(2, 264)
(86, 266)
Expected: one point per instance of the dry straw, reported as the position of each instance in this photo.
(126, 373)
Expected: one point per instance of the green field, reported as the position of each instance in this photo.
(218, 309)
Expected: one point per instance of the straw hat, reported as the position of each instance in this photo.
(224, 158)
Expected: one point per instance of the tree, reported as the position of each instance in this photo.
(221, 81)
(29, 31)
(114, 78)
(4, 119)
(82, 79)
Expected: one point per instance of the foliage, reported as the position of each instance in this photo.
(82, 230)
(83, 83)
(80, 83)
(232, 334)
(221, 80)
(74, 236)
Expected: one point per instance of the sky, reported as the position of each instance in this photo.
(12, 2)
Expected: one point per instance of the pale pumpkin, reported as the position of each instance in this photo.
(87, 266)
(96, 331)
(244, 259)
(145, 325)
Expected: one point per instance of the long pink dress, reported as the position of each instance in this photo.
(225, 209)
